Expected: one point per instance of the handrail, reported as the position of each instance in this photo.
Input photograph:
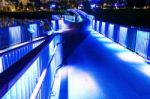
(12, 74)
(38, 86)
(2, 52)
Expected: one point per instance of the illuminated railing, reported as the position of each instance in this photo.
(12, 54)
(70, 18)
(13, 35)
(132, 38)
(32, 76)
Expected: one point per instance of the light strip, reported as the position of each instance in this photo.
(38, 86)
(1, 65)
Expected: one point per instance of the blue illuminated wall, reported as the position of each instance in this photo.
(132, 38)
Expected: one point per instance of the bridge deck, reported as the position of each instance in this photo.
(98, 68)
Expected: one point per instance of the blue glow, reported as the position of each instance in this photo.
(81, 5)
(32, 28)
(111, 31)
(142, 39)
(53, 25)
(1, 65)
(123, 36)
(136, 61)
(93, 6)
(52, 6)
(15, 34)
(73, 18)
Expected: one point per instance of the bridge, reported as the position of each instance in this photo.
(86, 59)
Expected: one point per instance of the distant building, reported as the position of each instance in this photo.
(2, 4)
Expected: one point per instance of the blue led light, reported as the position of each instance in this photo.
(111, 31)
(52, 6)
(123, 36)
(1, 65)
(15, 34)
(103, 28)
(97, 26)
(142, 39)
(93, 6)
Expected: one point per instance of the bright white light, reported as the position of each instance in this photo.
(53, 6)
(130, 57)
(145, 69)
(81, 85)
(114, 46)
(142, 40)
(93, 6)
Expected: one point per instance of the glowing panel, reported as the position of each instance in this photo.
(103, 28)
(123, 36)
(142, 39)
(93, 24)
(15, 34)
(53, 25)
(24, 86)
(51, 47)
(1, 65)
(97, 26)
(33, 30)
(111, 31)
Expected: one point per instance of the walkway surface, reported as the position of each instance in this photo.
(98, 68)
